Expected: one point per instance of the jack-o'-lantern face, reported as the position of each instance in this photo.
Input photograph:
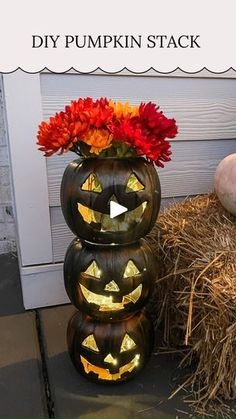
(109, 283)
(110, 353)
(89, 186)
(101, 221)
(105, 302)
(105, 373)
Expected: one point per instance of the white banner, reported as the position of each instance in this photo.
(109, 35)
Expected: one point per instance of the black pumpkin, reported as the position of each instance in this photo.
(109, 282)
(88, 186)
(110, 352)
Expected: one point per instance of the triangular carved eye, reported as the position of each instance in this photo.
(127, 343)
(89, 342)
(92, 184)
(130, 270)
(93, 270)
(133, 184)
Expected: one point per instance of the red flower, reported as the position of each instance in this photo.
(99, 113)
(147, 133)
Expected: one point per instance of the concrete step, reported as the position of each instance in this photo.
(21, 381)
(22, 392)
(146, 396)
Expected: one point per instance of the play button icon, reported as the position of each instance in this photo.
(116, 209)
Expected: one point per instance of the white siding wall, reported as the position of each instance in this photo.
(205, 110)
(203, 105)
(7, 225)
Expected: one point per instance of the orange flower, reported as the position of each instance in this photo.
(98, 139)
(66, 129)
(123, 110)
(60, 133)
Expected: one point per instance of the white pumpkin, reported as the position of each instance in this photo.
(225, 183)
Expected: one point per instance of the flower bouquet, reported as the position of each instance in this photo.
(103, 128)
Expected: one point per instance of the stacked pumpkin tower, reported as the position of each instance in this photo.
(109, 269)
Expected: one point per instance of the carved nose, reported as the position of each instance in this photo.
(112, 286)
(110, 360)
(113, 198)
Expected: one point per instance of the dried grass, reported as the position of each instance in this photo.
(196, 244)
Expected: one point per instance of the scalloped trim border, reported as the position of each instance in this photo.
(117, 72)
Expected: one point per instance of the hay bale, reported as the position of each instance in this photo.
(196, 243)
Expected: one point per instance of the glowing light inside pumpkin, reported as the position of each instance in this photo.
(127, 343)
(106, 303)
(103, 222)
(104, 374)
(133, 184)
(92, 184)
(89, 342)
(110, 360)
(93, 270)
(112, 286)
(136, 360)
(131, 269)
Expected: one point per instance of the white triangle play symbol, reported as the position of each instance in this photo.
(116, 209)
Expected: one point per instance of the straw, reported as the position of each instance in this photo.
(195, 243)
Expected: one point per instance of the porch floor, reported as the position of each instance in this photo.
(37, 378)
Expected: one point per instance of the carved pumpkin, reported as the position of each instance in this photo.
(109, 352)
(225, 183)
(89, 185)
(109, 282)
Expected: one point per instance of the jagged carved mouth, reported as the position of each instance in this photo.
(106, 304)
(103, 222)
(104, 373)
